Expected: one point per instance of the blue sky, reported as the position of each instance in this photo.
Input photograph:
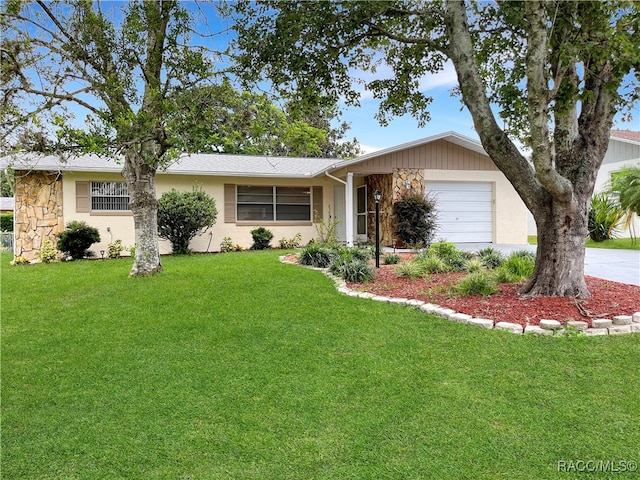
(446, 111)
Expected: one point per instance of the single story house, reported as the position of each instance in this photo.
(475, 201)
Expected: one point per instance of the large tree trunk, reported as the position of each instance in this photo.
(559, 269)
(558, 183)
(140, 178)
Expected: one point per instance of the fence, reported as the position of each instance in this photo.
(6, 241)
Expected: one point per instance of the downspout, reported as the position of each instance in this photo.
(335, 178)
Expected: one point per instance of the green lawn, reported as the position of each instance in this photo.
(236, 366)
(617, 243)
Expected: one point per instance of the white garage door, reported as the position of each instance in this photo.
(465, 211)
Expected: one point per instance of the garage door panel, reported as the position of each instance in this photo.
(465, 210)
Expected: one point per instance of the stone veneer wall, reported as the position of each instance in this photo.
(393, 187)
(38, 211)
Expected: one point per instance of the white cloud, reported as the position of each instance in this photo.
(369, 149)
(447, 77)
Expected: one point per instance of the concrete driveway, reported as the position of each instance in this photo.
(617, 265)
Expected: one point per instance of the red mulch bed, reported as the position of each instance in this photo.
(607, 299)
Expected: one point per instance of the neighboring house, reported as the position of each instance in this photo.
(6, 204)
(623, 150)
(476, 203)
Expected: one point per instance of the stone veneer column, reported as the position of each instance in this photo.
(393, 187)
(384, 184)
(38, 211)
(408, 181)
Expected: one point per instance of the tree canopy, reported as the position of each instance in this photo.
(551, 74)
(136, 70)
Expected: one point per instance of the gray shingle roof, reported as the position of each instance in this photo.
(193, 164)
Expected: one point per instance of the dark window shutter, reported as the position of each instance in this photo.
(83, 202)
(229, 203)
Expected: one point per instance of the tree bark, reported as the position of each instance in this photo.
(140, 177)
(558, 189)
(559, 269)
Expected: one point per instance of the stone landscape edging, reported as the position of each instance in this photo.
(617, 325)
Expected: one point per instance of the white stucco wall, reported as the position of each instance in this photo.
(121, 225)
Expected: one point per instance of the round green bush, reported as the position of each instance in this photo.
(76, 239)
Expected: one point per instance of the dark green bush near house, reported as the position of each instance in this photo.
(416, 219)
(76, 239)
(182, 215)
(261, 238)
(604, 214)
(6, 222)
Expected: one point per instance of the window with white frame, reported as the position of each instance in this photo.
(271, 203)
(109, 196)
(361, 210)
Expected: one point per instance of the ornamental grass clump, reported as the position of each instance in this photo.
(410, 270)
(318, 255)
(391, 259)
(491, 258)
(516, 268)
(476, 283)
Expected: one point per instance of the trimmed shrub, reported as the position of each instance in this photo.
(182, 215)
(226, 245)
(416, 219)
(6, 222)
(76, 239)
(290, 244)
(114, 249)
(261, 238)
(47, 253)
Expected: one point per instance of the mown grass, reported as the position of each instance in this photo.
(616, 243)
(236, 366)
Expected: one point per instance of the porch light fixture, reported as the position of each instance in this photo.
(377, 195)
